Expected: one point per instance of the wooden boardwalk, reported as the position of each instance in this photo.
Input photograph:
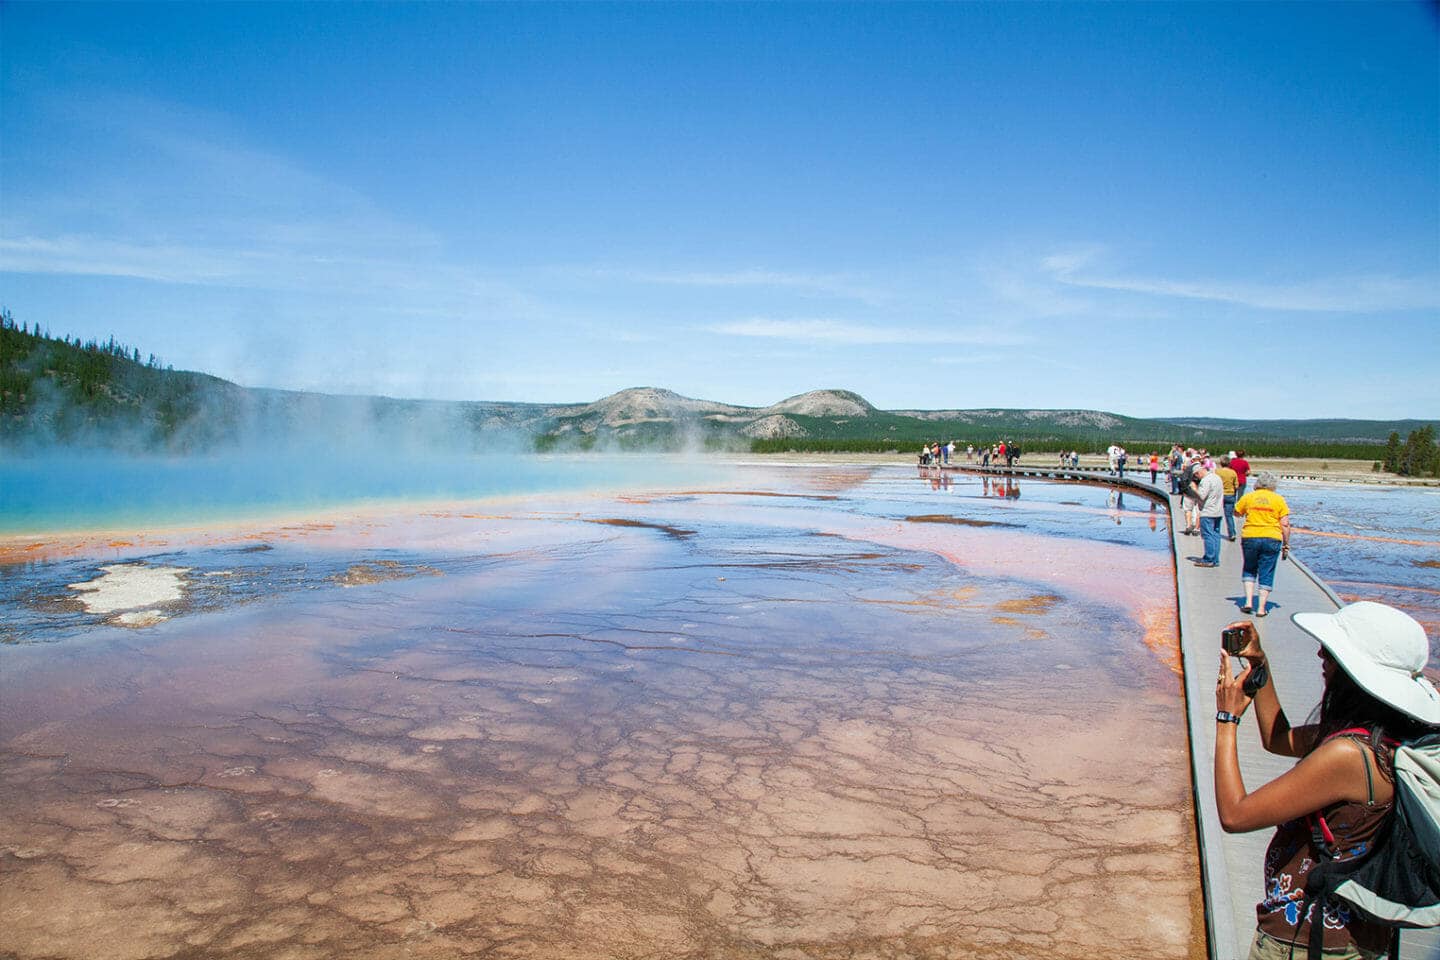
(1207, 599)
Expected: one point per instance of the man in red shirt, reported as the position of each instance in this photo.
(1241, 466)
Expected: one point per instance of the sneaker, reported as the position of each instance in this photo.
(1205, 563)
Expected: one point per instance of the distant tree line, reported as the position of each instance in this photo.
(21, 337)
(1085, 443)
(1418, 456)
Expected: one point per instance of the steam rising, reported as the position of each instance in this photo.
(254, 452)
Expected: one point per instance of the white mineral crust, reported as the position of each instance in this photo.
(131, 586)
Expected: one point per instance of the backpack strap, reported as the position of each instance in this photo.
(1320, 886)
(1320, 835)
(1325, 877)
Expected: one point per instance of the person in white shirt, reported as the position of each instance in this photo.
(1210, 492)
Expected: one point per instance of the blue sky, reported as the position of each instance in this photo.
(1154, 209)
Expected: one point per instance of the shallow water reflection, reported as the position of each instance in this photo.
(804, 728)
(1373, 543)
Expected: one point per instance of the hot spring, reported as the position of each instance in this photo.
(696, 710)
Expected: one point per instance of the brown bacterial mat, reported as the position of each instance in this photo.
(615, 745)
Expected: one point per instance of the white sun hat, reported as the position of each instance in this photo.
(1383, 650)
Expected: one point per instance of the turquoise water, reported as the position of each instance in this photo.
(77, 491)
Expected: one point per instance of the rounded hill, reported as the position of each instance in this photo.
(823, 403)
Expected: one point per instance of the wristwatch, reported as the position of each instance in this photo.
(1224, 716)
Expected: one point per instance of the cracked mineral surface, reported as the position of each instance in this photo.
(717, 724)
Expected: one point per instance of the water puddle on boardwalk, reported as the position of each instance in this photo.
(694, 724)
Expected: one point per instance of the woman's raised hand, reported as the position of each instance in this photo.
(1230, 693)
(1251, 651)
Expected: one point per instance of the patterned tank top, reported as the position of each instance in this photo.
(1288, 861)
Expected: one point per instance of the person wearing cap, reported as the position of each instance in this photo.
(1211, 494)
(1264, 540)
(1188, 497)
(1372, 657)
(1176, 459)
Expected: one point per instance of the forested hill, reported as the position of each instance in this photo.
(57, 391)
(1357, 431)
(62, 392)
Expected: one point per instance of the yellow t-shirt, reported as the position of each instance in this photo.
(1230, 479)
(1262, 510)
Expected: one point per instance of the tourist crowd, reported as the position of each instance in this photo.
(939, 454)
(1214, 492)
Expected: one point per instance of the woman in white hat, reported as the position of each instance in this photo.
(1375, 694)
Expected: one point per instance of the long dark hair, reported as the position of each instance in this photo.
(1345, 705)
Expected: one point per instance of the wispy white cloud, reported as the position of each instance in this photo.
(104, 256)
(1018, 292)
(184, 199)
(1363, 293)
(414, 286)
(743, 278)
(189, 176)
(813, 284)
(1068, 261)
(1360, 294)
(967, 359)
(631, 336)
(843, 333)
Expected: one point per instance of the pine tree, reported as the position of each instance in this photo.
(1419, 457)
(1392, 452)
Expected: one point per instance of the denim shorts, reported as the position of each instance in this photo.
(1261, 556)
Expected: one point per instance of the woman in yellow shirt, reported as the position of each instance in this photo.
(1265, 539)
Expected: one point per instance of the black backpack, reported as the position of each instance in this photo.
(1397, 881)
